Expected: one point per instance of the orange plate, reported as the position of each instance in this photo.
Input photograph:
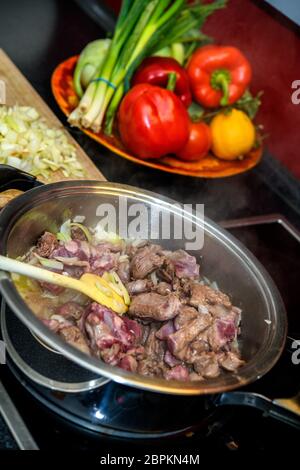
(208, 167)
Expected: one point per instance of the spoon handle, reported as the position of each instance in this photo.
(15, 266)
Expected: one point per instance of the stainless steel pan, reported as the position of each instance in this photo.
(224, 259)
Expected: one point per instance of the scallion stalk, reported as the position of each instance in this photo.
(143, 27)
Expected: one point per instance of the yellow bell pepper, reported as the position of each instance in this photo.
(233, 134)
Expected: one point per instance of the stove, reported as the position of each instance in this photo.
(98, 416)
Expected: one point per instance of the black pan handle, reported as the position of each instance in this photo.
(269, 407)
(12, 178)
(286, 410)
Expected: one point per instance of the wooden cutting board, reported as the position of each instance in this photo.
(19, 91)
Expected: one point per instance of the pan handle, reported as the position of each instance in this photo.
(13, 182)
(13, 178)
(272, 408)
(286, 410)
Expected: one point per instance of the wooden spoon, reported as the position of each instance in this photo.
(91, 285)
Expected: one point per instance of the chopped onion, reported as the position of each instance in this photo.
(103, 235)
(27, 143)
(50, 263)
(74, 261)
(123, 258)
(79, 219)
(64, 233)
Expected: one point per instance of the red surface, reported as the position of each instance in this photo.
(273, 48)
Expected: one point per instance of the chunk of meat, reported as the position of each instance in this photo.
(166, 330)
(179, 372)
(128, 363)
(195, 377)
(111, 355)
(170, 359)
(93, 258)
(203, 295)
(185, 335)
(153, 363)
(163, 288)
(105, 328)
(123, 271)
(71, 310)
(222, 332)
(230, 361)
(193, 351)
(145, 261)
(46, 244)
(155, 306)
(207, 366)
(183, 264)
(134, 327)
(185, 314)
(57, 322)
(139, 286)
(73, 336)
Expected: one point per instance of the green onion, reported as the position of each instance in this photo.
(143, 28)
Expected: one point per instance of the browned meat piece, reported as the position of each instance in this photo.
(155, 306)
(185, 314)
(166, 330)
(179, 372)
(183, 265)
(73, 336)
(203, 295)
(194, 377)
(129, 363)
(78, 234)
(153, 364)
(230, 361)
(219, 311)
(222, 332)
(193, 350)
(111, 355)
(181, 338)
(139, 286)
(207, 366)
(123, 271)
(171, 360)
(71, 310)
(145, 333)
(164, 275)
(163, 288)
(46, 244)
(145, 261)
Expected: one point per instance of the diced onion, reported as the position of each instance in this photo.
(50, 263)
(27, 143)
(79, 219)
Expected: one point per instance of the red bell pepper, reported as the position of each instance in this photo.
(152, 122)
(157, 70)
(219, 75)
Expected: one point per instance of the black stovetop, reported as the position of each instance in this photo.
(228, 428)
